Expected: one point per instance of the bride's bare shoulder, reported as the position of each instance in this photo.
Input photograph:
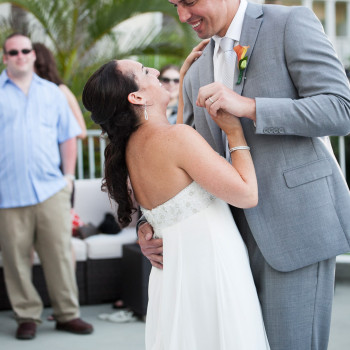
(182, 130)
(175, 131)
(178, 136)
(187, 134)
(181, 138)
(179, 127)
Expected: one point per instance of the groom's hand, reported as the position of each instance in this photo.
(216, 96)
(152, 248)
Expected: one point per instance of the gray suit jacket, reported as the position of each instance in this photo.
(302, 95)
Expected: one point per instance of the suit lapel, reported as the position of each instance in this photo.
(251, 26)
(206, 76)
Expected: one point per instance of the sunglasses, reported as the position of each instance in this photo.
(16, 52)
(168, 80)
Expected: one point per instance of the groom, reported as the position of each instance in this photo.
(293, 92)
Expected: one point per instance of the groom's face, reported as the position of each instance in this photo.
(206, 17)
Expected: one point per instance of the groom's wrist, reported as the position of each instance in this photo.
(247, 108)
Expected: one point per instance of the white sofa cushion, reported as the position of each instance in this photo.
(80, 249)
(109, 246)
(90, 203)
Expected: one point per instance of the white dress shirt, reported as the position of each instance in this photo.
(233, 32)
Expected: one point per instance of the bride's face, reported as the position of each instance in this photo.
(147, 80)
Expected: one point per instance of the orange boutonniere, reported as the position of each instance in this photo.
(242, 60)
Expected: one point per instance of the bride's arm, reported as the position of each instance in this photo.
(193, 56)
(236, 184)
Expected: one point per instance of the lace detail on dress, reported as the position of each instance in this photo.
(187, 202)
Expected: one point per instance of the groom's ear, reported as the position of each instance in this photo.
(135, 98)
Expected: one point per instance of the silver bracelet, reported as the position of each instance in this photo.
(239, 148)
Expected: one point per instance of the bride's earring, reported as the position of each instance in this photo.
(146, 115)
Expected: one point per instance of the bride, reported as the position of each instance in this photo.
(204, 298)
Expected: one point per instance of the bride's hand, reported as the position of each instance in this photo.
(227, 122)
(193, 56)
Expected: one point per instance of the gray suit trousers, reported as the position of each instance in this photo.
(306, 313)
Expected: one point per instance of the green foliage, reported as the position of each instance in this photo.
(5, 30)
(84, 34)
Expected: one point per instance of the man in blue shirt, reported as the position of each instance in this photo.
(37, 136)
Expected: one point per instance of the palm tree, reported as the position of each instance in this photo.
(83, 34)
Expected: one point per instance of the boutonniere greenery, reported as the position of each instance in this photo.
(242, 60)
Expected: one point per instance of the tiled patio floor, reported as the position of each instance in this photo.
(130, 336)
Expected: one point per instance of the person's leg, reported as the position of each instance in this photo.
(296, 305)
(16, 240)
(323, 304)
(53, 245)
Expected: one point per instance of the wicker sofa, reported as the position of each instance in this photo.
(98, 257)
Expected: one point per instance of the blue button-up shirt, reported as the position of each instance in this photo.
(31, 128)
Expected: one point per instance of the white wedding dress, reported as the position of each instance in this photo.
(204, 298)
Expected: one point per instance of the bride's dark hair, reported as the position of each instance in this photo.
(105, 95)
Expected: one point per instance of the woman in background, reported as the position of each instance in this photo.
(169, 76)
(45, 67)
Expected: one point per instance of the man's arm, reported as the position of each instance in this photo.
(309, 96)
(323, 106)
(68, 151)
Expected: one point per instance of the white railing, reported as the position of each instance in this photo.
(96, 144)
